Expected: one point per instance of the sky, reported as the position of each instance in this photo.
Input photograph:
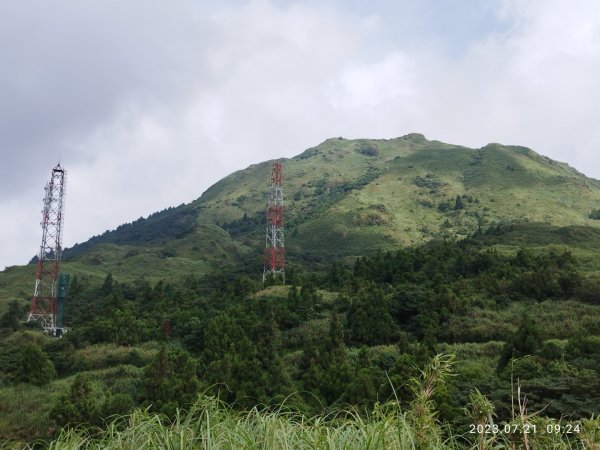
(147, 103)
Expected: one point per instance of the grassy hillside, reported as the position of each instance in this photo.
(404, 190)
(345, 345)
(343, 198)
(340, 348)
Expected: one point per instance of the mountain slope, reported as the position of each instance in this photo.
(349, 196)
(343, 198)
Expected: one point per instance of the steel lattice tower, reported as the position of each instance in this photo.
(274, 246)
(44, 306)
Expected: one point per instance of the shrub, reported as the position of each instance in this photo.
(34, 366)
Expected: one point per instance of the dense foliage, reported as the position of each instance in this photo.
(210, 423)
(168, 223)
(351, 335)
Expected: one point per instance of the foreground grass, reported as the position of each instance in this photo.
(211, 424)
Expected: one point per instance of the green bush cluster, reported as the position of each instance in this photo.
(210, 423)
(348, 335)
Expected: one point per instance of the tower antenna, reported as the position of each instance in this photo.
(274, 264)
(44, 307)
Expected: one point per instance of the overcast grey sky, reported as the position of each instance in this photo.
(147, 103)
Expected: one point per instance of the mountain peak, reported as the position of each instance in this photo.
(346, 198)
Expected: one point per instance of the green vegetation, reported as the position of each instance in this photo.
(343, 198)
(431, 289)
(350, 338)
(211, 424)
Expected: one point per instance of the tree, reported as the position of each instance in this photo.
(362, 389)
(396, 386)
(458, 203)
(108, 286)
(269, 343)
(406, 301)
(34, 366)
(325, 366)
(231, 359)
(12, 318)
(169, 381)
(369, 320)
(62, 354)
(79, 406)
(524, 258)
(525, 341)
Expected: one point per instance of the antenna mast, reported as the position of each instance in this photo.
(274, 246)
(44, 307)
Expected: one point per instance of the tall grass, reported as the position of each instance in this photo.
(211, 424)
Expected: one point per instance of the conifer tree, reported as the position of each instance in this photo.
(79, 405)
(12, 318)
(169, 381)
(34, 366)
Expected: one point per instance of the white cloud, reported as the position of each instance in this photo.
(147, 113)
(535, 84)
(263, 99)
(371, 84)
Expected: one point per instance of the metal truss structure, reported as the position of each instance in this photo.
(274, 263)
(44, 306)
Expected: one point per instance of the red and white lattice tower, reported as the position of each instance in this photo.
(43, 304)
(274, 247)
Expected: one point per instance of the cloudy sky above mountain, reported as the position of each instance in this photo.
(148, 103)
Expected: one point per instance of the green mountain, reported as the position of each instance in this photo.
(495, 271)
(343, 198)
